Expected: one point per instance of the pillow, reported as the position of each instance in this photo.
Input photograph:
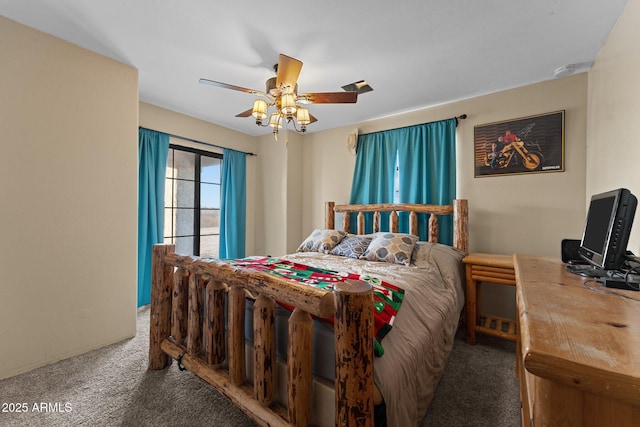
(321, 241)
(421, 256)
(391, 247)
(352, 246)
(443, 258)
(427, 253)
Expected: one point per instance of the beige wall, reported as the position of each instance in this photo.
(271, 200)
(529, 213)
(328, 171)
(521, 213)
(163, 120)
(68, 173)
(613, 135)
(279, 192)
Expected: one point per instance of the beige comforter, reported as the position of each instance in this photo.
(417, 347)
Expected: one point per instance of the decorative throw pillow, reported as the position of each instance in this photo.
(321, 241)
(352, 246)
(421, 256)
(391, 247)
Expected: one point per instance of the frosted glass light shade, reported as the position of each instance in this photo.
(303, 116)
(288, 104)
(259, 109)
(275, 121)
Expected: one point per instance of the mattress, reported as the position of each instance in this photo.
(418, 345)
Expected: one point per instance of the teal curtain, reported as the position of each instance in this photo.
(427, 162)
(427, 172)
(233, 206)
(153, 150)
(373, 175)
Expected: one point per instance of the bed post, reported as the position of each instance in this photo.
(299, 364)
(160, 316)
(354, 353)
(264, 345)
(179, 305)
(237, 366)
(214, 337)
(195, 313)
(329, 216)
(461, 224)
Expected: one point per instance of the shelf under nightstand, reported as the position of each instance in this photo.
(497, 269)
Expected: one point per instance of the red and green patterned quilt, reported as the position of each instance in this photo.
(386, 296)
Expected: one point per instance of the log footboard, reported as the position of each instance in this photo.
(189, 297)
(188, 324)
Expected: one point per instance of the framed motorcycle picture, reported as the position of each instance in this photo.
(533, 144)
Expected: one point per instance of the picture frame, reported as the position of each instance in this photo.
(533, 144)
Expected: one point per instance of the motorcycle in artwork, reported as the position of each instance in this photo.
(517, 146)
(502, 158)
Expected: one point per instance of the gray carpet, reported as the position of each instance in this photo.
(112, 387)
(478, 387)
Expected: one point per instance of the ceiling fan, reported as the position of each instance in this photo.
(281, 94)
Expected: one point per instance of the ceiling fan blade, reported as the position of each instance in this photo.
(245, 113)
(312, 118)
(288, 71)
(329, 97)
(232, 87)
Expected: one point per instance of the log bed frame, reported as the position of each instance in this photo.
(188, 324)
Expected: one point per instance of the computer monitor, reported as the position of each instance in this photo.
(607, 228)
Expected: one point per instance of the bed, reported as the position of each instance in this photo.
(200, 309)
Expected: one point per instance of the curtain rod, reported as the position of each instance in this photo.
(460, 117)
(457, 119)
(199, 142)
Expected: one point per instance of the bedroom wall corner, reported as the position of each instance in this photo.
(69, 119)
(295, 191)
(328, 173)
(271, 197)
(279, 193)
(613, 147)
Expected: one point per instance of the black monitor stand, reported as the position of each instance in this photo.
(588, 270)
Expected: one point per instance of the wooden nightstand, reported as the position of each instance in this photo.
(490, 268)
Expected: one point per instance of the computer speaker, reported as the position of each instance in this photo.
(570, 253)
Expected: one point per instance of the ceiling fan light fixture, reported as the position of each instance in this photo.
(302, 116)
(280, 100)
(259, 110)
(275, 121)
(288, 105)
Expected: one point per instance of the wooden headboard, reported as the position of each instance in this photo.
(459, 209)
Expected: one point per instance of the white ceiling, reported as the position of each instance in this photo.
(413, 53)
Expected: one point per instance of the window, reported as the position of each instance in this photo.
(192, 201)
(396, 183)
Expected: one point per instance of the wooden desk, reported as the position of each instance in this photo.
(578, 352)
(497, 269)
